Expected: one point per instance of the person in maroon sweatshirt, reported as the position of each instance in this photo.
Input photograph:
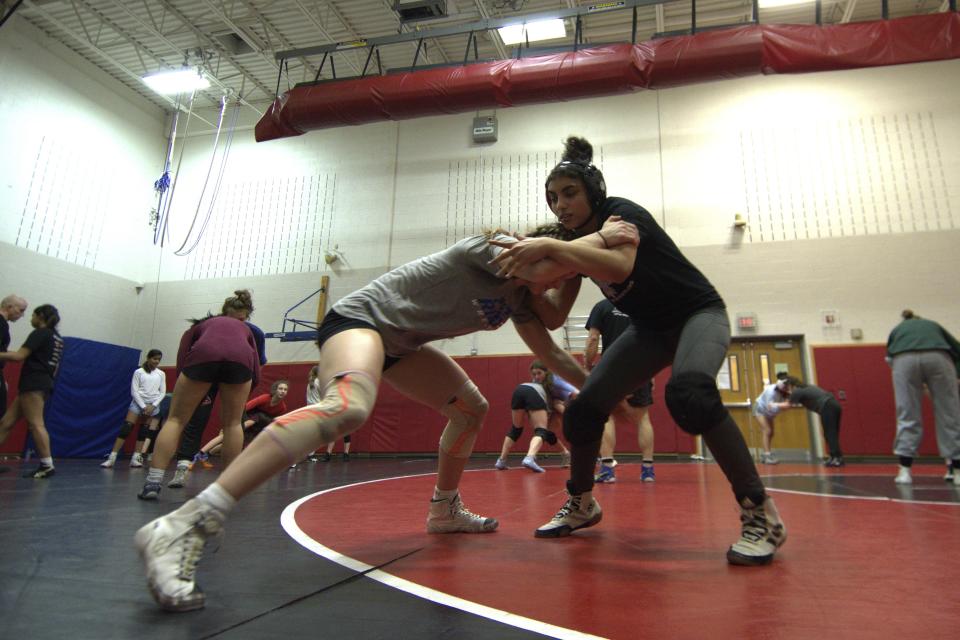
(215, 350)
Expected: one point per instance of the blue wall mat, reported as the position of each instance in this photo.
(90, 398)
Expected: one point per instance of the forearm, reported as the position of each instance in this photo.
(610, 265)
(553, 307)
(590, 352)
(14, 356)
(543, 271)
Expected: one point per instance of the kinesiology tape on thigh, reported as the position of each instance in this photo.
(125, 429)
(345, 405)
(583, 422)
(465, 414)
(694, 402)
(548, 436)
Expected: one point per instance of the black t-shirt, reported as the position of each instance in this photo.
(40, 367)
(664, 288)
(810, 396)
(609, 321)
(4, 337)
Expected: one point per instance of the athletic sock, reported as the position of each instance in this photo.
(447, 495)
(218, 498)
(606, 461)
(47, 462)
(183, 464)
(155, 475)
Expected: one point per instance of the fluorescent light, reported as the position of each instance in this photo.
(770, 4)
(176, 81)
(539, 30)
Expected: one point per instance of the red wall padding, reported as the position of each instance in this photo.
(613, 69)
(403, 426)
(869, 420)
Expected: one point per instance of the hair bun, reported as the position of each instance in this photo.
(576, 149)
(906, 314)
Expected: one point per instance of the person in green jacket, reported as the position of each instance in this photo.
(921, 352)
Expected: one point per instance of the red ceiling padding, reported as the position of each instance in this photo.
(712, 55)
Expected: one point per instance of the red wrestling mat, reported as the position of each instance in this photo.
(655, 566)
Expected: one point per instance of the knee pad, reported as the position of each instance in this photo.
(465, 414)
(515, 432)
(583, 422)
(345, 405)
(346, 439)
(125, 429)
(694, 402)
(548, 436)
(145, 431)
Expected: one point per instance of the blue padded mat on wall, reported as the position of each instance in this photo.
(90, 398)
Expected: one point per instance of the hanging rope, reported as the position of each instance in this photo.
(164, 183)
(215, 192)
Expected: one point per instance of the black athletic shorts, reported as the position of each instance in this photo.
(36, 382)
(222, 372)
(526, 397)
(334, 323)
(642, 397)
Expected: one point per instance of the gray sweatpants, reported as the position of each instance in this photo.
(911, 370)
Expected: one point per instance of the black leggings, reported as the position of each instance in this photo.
(830, 419)
(700, 345)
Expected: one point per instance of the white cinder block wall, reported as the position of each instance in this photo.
(848, 181)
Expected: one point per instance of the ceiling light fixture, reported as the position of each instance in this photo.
(531, 31)
(176, 81)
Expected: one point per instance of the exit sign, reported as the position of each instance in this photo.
(746, 321)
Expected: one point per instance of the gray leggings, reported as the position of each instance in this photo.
(699, 346)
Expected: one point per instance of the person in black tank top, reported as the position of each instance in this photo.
(678, 319)
(40, 354)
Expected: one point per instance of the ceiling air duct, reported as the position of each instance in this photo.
(608, 70)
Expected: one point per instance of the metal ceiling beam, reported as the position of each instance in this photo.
(417, 36)
(217, 46)
(103, 54)
(179, 50)
(322, 30)
(482, 25)
(848, 11)
(495, 39)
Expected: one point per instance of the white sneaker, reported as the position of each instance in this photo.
(762, 532)
(108, 463)
(956, 479)
(136, 461)
(170, 547)
(500, 465)
(450, 516)
(579, 512)
(903, 476)
(179, 477)
(768, 458)
(949, 476)
(531, 463)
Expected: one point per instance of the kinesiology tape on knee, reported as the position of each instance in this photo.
(515, 432)
(125, 429)
(582, 422)
(345, 405)
(465, 414)
(694, 402)
(548, 436)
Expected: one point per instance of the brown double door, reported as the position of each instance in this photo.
(751, 364)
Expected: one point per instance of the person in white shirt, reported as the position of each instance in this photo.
(147, 389)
